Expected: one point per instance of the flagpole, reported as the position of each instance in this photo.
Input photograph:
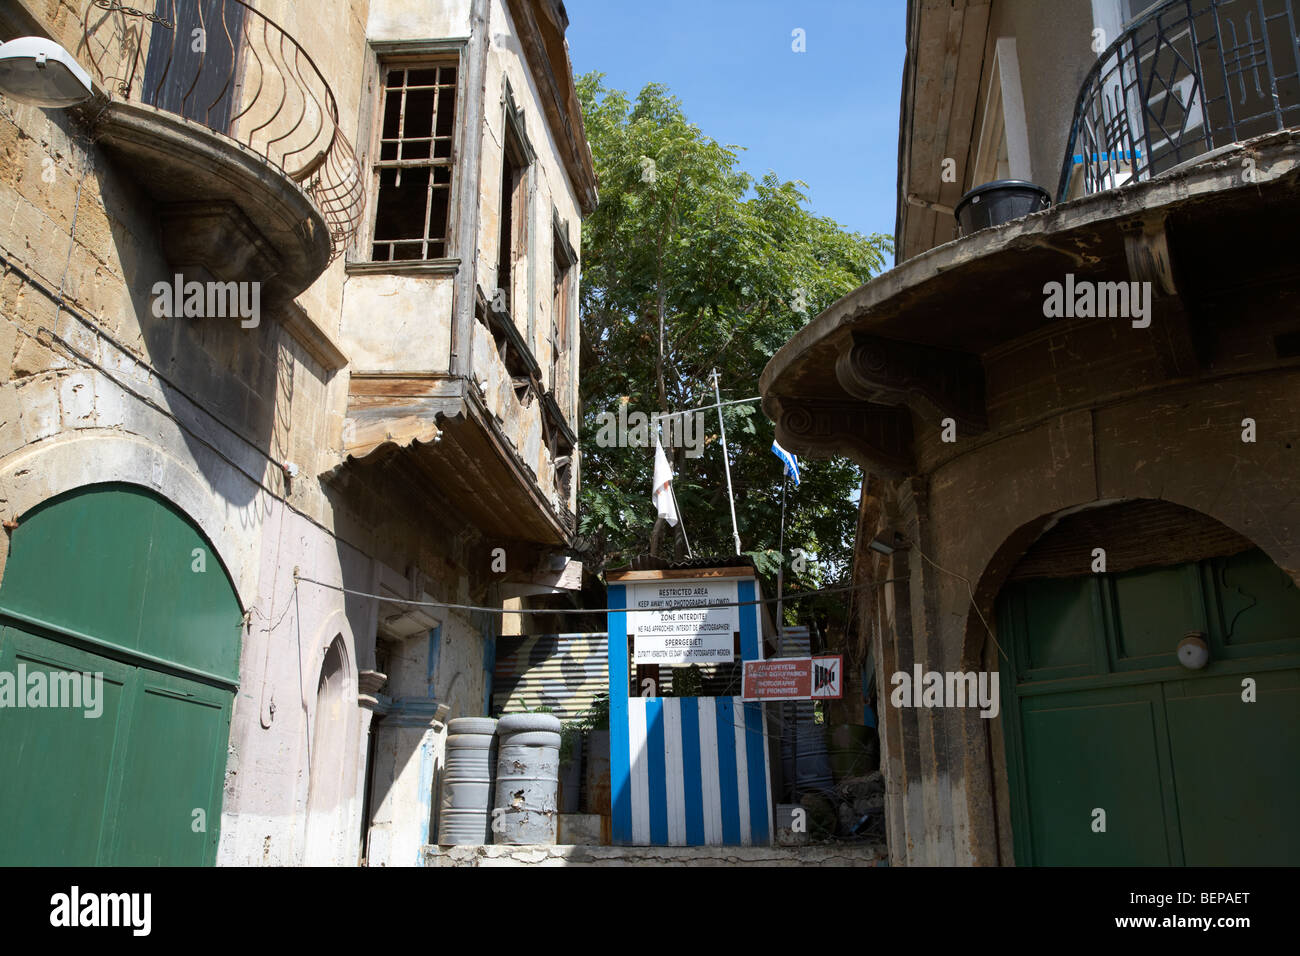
(780, 574)
(726, 461)
(673, 491)
(680, 520)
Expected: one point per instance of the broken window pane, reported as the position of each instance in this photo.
(401, 205)
(413, 185)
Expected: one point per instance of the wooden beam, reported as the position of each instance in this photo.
(469, 174)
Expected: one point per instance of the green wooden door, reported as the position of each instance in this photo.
(1101, 719)
(111, 592)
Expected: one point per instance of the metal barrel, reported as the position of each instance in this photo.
(528, 766)
(464, 816)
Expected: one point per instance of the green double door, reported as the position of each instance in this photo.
(1117, 754)
(119, 653)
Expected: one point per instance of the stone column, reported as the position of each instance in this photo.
(407, 746)
(373, 705)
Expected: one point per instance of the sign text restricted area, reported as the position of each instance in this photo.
(698, 635)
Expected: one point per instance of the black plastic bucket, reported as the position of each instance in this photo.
(999, 201)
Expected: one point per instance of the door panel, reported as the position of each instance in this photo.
(195, 79)
(178, 772)
(113, 580)
(57, 762)
(1089, 751)
(1237, 768)
(120, 788)
(1186, 771)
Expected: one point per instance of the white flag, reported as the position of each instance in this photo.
(663, 491)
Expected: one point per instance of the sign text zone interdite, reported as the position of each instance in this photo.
(701, 634)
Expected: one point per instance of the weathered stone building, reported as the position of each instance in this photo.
(372, 388)
(1083, 486)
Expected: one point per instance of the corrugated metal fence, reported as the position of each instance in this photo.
(560, 671)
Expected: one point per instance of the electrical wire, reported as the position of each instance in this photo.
(582, 610)
(971, 591)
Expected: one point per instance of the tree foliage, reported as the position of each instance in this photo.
(729, 267)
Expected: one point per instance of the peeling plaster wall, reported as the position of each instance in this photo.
(398, 322)
(204, 412)
(550, 194)
(407, 19)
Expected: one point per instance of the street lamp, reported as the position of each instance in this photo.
(39, 71)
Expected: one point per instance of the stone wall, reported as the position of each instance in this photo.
(977, 513)
(206, 413)
(654, 856)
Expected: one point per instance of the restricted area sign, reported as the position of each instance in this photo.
(686, 622)
(794, 678)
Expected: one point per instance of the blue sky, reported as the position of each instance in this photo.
(827, 116)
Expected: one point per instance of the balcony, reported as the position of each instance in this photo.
(1188, 78)
(495, 442)
(960, 336)
(230, 127)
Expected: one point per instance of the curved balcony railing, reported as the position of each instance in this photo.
(224, 65)
(1188, 77)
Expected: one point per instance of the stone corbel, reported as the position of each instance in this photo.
(934, 383)
(1174, 336)
(369, 684)
(877, 437)
(1146, 247)
(418, 713)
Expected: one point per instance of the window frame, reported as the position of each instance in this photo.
(1003, 136)
(565, 259)
(384, 56)
(517, 149)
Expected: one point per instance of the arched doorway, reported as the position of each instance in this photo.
(329, 737)
(1116, 752)
(119, 658)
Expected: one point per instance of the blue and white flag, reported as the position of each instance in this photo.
(791, 462)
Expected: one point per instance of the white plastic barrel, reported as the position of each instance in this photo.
(464, 816)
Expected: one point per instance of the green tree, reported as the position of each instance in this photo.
(690, 264)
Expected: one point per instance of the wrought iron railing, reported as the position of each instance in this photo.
(1188, 77)
(224, 65)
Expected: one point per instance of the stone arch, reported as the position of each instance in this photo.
(1127, 528)
(1003, 559)
(331, 734)
(62, 463)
